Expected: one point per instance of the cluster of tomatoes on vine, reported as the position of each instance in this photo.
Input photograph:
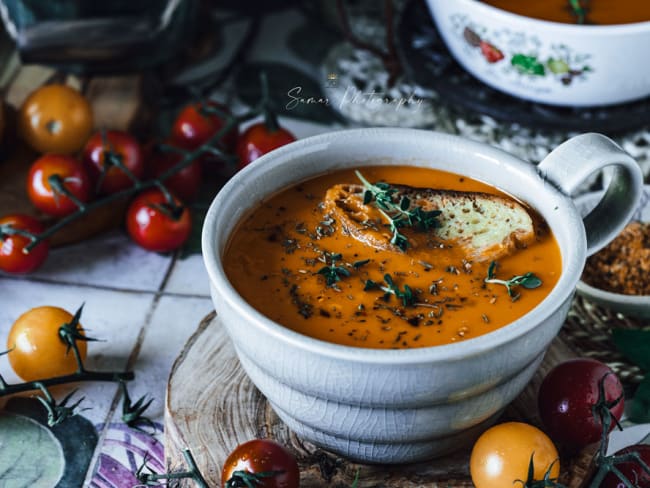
(579, 402)
(78, 167)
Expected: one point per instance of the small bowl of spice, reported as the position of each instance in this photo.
(618, 276)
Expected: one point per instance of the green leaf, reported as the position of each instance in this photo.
(292, 92)
(640, 408)
(557, 66)
(634, 345)
(30, 454)
(528, 65)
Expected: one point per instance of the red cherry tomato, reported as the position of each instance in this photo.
(632, 470)
(566, 396)
(12, 257)
(261, 456)
(71, 174)
(184, 184)
(258, 140)
(194, 126)
(153, 225)
(101, 149)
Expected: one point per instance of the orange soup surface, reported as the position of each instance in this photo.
(598, 12)
(279, 259)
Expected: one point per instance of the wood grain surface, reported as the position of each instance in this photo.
(212, 406)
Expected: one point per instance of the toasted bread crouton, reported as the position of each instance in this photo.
(485, 226)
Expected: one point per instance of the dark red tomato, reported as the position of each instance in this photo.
(185, 183)
(261, 456)
(12, 257)
(631, 470)
(72, 176)
(155, 226)
(102, 149)
(258, 140)
(566, 396)
(194, 126)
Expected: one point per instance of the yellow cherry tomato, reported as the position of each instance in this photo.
(36, 350)
(55, 119)
(502, 455)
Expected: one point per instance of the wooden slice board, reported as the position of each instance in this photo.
(212, 406)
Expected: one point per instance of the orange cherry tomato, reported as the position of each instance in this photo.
(12, 257)
(502, 455)
(55, 119)
(36, 350)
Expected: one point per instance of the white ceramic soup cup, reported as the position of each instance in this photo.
(548, 62)
(393, 406)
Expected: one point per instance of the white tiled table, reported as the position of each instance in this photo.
(142, 305)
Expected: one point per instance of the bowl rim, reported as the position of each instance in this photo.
(605, 296)
(551, 304)
(576, 29)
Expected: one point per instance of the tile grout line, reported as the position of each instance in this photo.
(107, 288)
(129, 365)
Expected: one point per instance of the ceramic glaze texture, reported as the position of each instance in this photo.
(394, 406)
(548, 62)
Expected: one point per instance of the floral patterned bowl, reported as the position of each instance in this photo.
(547, 62)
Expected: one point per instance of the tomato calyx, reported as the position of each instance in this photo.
(152, 478)
(70, 333)
(602, 411)
(133, 413)
(7, 230)
(246, 479)
(57, 412)
(545, 482)
(58, 187)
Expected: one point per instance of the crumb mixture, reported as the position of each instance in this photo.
(624, 265)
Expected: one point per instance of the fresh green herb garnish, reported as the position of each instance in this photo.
(528, 280)
(331, 271)
(579, 10)
(399, 214)
(407, 295)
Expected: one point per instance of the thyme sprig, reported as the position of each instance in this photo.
(331, 271)
(408, 296)
(400, 213)
(528, 280)
(151, 478)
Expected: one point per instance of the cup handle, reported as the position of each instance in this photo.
(573, 161)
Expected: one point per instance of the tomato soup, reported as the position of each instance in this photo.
(598, 12)
(296, 264)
